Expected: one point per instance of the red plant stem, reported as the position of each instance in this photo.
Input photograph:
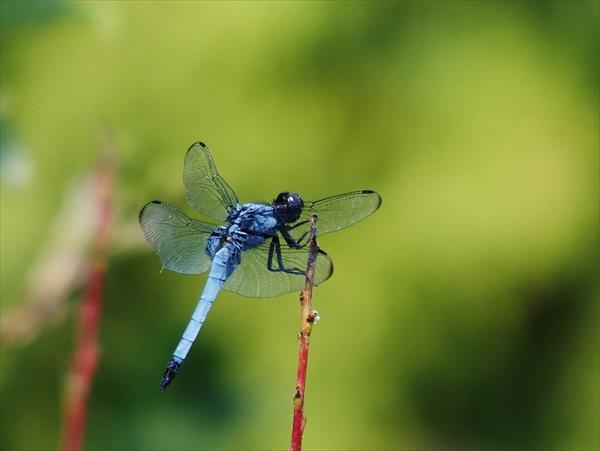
(308, 318)
(85, 359)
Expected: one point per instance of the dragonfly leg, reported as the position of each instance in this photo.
(304, 235)
(275, 249)
(298, 224)
(291, 242)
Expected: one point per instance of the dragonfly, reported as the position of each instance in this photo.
(253, 249)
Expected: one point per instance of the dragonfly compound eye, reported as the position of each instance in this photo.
(282, 198)
(294, 205)
(293, 200)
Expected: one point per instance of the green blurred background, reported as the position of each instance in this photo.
(464, 314)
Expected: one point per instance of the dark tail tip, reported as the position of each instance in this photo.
(170, 373)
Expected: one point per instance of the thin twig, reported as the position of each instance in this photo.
(308, 318)
(85, 359)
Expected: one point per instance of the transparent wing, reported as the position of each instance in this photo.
(179, 241)
(253, 278)
(206, 191)
(335, 213)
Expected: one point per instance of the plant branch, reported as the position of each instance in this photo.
(308, 318)
(85, 358)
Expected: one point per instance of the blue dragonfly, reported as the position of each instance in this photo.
(254, 249)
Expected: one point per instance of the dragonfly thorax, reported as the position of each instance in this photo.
(248, 225)
(288, 207)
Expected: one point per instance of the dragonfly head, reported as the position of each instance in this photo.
(289, 206)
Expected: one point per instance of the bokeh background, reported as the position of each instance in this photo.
(464, 314)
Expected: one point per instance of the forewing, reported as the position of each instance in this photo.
(206, 191)
(253, 278)
(179, 241)
(335, 213)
